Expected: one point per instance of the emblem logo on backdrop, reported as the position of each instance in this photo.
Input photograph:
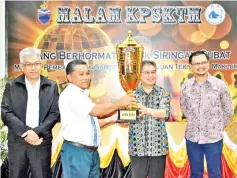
(215, 14)
(44, 15)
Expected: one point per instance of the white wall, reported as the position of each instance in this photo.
(2, 40)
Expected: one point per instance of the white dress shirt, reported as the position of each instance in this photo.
(32, 111)
(77, 126)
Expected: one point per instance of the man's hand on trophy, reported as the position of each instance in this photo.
(143, 110)
(127, 100)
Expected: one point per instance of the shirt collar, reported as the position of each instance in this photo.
(209, 79)
(29, 84)
(140, 88)
(74, 87)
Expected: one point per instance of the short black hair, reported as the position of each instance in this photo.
(148, 62)
(196, 53)
(72, 64)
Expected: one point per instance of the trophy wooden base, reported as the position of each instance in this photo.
(127, 115)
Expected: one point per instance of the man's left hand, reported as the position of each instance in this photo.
(142, 110)
(31, 137)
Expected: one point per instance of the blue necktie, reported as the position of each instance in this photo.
(95, 131)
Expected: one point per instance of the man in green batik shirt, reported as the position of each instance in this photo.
(148, 141)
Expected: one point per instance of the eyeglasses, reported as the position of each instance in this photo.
(200, 63)
(30, 65)
(153, 72)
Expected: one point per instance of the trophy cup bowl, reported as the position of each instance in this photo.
(129, 58)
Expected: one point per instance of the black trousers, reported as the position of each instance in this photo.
(22, 156)
(151, 166)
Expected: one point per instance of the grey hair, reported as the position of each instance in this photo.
(28, 52)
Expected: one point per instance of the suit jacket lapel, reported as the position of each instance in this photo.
(44, 98)
(22, 97)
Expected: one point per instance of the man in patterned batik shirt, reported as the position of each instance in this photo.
(207, 105)
(148, 141)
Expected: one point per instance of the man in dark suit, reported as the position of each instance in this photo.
(30, 110)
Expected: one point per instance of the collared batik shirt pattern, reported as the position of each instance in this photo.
(208, 109)
(148, 136)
